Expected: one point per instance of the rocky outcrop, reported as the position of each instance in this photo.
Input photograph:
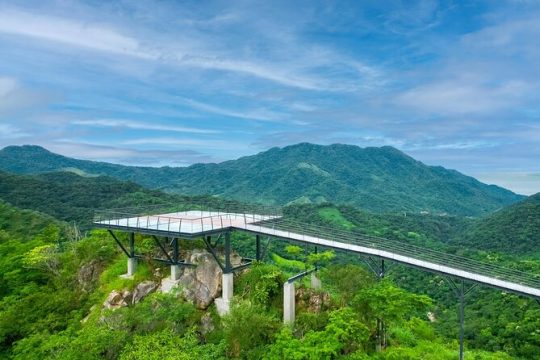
(115, 300)
(118, 299)
(207, 324)
(143, 289)
(201, 284)
(312, 300)
(88, 275)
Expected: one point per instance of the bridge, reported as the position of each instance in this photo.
(196, 221)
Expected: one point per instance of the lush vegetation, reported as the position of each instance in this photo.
(51, 308)
(54, 281)
(515, 230)
(376, 179)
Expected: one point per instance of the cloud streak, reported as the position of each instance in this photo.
(139, 125)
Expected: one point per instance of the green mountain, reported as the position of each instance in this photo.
(514, 229)
(70, 197)
(376, 179)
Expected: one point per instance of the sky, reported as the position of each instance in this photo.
(451, 83)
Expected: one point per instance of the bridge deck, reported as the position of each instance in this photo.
(190, 224)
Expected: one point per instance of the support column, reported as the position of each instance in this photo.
(223, 304)
(315, 281)
(461, 291)
(175, 272)
(175, 268)
(288, 302)
(258, 247)
(131, 266)
(132, 260)
(227, 245)
(227, 286)
(461, 319)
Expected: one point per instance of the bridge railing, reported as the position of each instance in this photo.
(264, 218)
(218, 207)
(402, 248)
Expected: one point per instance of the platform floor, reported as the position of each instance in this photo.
(186, 222)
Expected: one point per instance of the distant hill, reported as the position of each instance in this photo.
(376, 179)
(70, 197)
(514, 230)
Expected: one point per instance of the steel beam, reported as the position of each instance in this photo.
(228, 265)
(163, 249)
(131, 244)
(258, 247)
(119, 243)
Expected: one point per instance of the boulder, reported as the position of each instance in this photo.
(114, 301)
(312, 300)
(88, 274)
(201, 284)
(142, 290)
(207, 324)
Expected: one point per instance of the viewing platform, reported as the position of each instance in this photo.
(190, 221)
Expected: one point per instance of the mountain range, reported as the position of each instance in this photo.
(376, 179)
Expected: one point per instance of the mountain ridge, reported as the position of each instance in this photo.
(377, 179)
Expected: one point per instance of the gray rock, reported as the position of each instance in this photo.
(207, 324)
(114, 301)
(88, 275)
(142, 290)
(201, 284)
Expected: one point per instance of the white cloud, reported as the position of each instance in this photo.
(258, 114)
(203, 143)
(297, 69)
(8, 131)
(70, 32)
(130, 156)
(140, 125)
(7, 86)
(463, 96)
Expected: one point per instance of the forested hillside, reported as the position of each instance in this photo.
(41, 255)
(376, 179)
(514, 230)
(52, 307)
(69, 197)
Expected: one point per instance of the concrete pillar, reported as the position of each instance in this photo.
(223, 304)
(288, 302)
(315, 281)
(227, 286)
(131, 266)
(175, 272)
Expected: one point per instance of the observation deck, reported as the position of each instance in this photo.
(195, 221)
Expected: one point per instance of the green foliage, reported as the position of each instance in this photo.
(346, 280)
(261, 284)
(157, 312)
(293, 266)
(512, 230)
(44, 297)
(247, 329)
(386, 301)
(70, 197)
(334, 217)
(167, 345)
(343, 334)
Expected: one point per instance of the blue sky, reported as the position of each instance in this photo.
(452, 83)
